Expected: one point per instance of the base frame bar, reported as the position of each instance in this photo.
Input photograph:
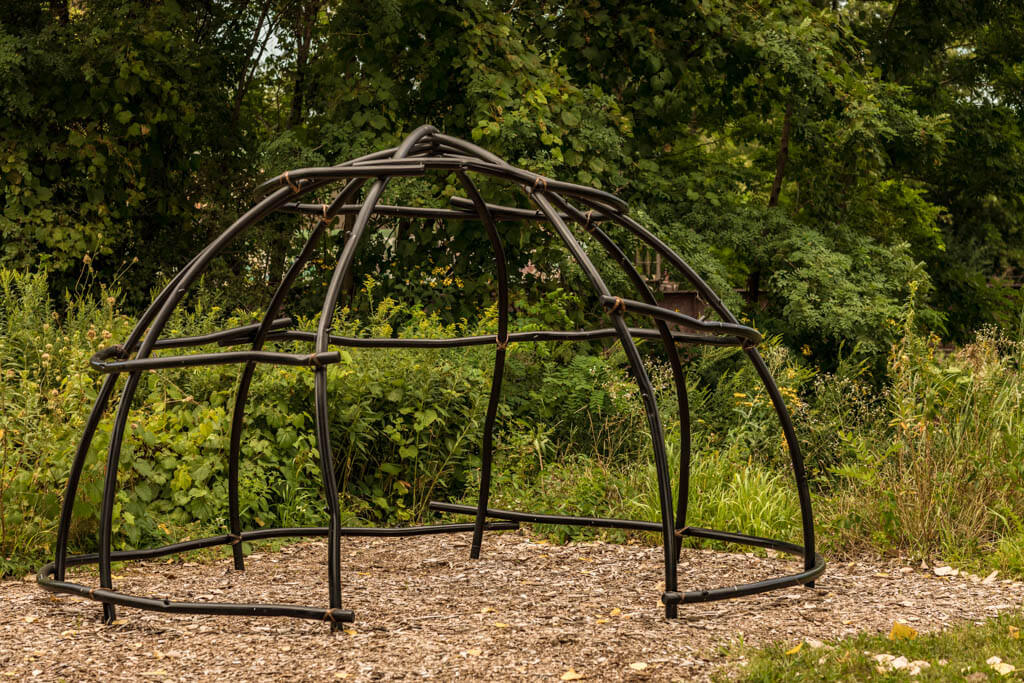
(46, 575)
(804, 578)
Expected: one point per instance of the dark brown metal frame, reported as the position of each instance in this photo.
(424, 150)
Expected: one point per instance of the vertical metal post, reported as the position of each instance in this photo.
(487, 451)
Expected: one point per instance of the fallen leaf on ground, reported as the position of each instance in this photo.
(945, 571)
(991, 578)
(796, 648)
(638, 666)
(917, 666)
(500, 624)
(475, 651)
(999, 666)
(1013, 632)
(902, 632)
(571, 675)
(615, 612)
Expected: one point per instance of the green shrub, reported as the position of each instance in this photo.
(942, 472)
(43, 405)
(928, 460)
(406, 425)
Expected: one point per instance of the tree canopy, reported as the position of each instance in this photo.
(811, 159)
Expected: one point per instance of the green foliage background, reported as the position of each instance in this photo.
(926, 461)
(814, 156)
(847, 175)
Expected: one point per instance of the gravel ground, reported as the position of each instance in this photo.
(526, 610)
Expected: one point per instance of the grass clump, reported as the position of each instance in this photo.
(952, 654)
(939, 469)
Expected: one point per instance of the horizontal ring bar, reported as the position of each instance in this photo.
(600, 522)
(46, 572)
(244, 332)
(508, 173)
(380, 210)
(222, 358)
(512, 213)
(283, 532)
(670, 597)
(316, 184)
(377, 532)
(483, 340)
(741, 590)
(712, 326)
(743, 539)
(371, 169)
(497, 211)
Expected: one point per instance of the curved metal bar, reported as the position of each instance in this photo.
(470, 149)
(283, 532)
(512, 213)
(235, 335)
(497, 211)
(513, 337)
(748, 333)
(323, 429)
(678, 378)
(796, 457)
(111, 597)
(75, 475)
(92, 422)
(291, 179)
(670, 598)
(793, 445)
(222, 358)
(258, 338)
(506, 172)
(383, 210)
(306, 186)
(812, 571)
(159, 320)
(487, 450)
(666, 252)
(646, 395)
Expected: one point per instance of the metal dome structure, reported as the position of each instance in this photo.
(557, 205)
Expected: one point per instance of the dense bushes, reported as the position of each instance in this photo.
(925, 461)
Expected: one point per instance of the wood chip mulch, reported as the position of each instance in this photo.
(527, 610)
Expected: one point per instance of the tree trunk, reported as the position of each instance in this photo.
(304, 38)
(252, 62)
(781, 159)
(60, 8)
